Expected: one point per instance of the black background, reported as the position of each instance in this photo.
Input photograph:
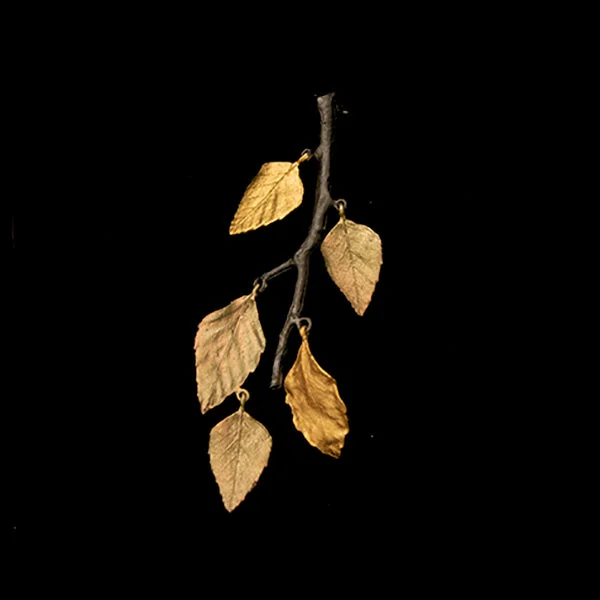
(132, 170)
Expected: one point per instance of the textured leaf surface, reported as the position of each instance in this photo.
(272, 194)
(239, 449)
(317, 409)
(228, 347)
(353, 257)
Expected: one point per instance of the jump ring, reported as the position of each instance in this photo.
(242, 395)
(306, 155)
(261, 283)
(341, 206)
(307, 320)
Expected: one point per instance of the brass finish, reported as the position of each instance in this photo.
(317, 409)
(239, 449)
(228, 346)
(275, 192)
(353, 257)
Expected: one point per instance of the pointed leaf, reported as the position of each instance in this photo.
(317, 409)
(353, 257)
(239, 449)
(272, 194)
(228, 347)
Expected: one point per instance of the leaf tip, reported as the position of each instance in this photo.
(236, 227)
(360, 310)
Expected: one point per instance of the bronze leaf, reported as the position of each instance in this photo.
(228, 346)
(353, 257)
(317, 409)
(275, 192)
(239, 449)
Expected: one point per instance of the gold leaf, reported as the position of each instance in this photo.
(239, 449)
(317, 409)
(353, 257)
(228, 347)
(275, 192)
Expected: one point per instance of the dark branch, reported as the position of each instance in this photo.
(301, 258)
(265, 277)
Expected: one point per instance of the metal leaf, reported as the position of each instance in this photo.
(228, 347)
(272, 194)
(239, 449)
(317, 409)
(353, 257)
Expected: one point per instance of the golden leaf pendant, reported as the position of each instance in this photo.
(275, 192)
(353, 258)
(228, 346)
(317, 409)
(239, 449)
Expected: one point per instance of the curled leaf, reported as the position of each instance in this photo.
(228, 346)
(272, 194)
(239, 449)
(353, 257)
(317, 409)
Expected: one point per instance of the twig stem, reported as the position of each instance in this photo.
(301, 258)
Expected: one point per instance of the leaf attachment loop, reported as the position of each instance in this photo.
(304, 329)
(306, 155)
(259, 285)
(340, 206)
(243, 396)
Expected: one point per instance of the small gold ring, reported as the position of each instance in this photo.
(242, 395)
(341, 206)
